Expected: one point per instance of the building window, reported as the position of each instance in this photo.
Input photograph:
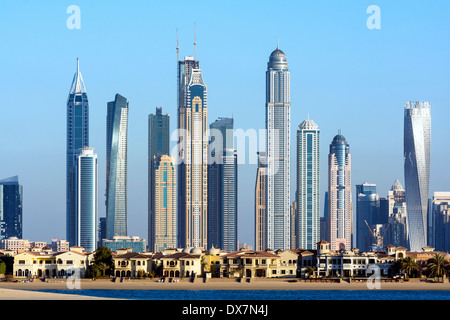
(21, 261)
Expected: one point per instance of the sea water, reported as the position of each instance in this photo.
(262, 294)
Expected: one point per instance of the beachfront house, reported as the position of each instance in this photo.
(249, 264)
(187, 263)
(38, 263)
(131, 264)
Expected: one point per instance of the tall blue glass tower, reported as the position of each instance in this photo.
(116, 167)
(308, 185)
(11, 202)
(86, 199)
(77, 137)
(222, 186)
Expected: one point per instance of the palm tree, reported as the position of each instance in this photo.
(409, 265)
(438, 266)
(309, 271)
(103, 267)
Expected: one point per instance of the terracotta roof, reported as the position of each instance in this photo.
(322, 242)
(250, 254)
(132, 255)
(180, 255)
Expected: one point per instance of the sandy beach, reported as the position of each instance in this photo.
(19, 290)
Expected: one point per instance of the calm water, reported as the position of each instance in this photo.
(262, 294)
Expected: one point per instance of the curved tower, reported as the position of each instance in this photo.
(416, 143)
(116, 167)
(340, 215)
(278, 131)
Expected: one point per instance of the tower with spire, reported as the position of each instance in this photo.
(192, 157)
(77, 137)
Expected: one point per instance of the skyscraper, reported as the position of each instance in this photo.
(77, 137)
(11, 205)
(116, 167)
(416, 143)
(86, 199)
(158, 145)
(192, 160)
(367, 213)
(441, 215)
(260, 203)
(222, 186)
(163, 234)
(340, 216)
(397, 231)
(278, 130)
(308, 185)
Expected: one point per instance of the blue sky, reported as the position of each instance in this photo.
(343, 75)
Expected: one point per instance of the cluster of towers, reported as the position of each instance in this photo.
(192, 190)
(82, 169)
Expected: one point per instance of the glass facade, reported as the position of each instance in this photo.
(308, 185)
(192, 155)
(86, 196)
(116, 167)
(164, 232)
(11, 205)
(222, 187)
(77, 137)
(416, 144)
(367, 213)
(158, 145)
(278, 128)
(340, 214)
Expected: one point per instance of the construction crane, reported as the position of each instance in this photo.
(379, 238)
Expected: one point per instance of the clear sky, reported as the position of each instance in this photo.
(344, 75)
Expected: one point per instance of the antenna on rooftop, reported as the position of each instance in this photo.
(178, 48)
(195, 43)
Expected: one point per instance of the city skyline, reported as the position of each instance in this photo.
(362, 104)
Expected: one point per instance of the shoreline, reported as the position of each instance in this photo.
(31, 289)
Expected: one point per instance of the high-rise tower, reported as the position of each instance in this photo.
(86, 199)
(158, 145)
(163, 233)
(278, 130)
(340, 216)
(308, 185)
(192, 159)
(77, 137)
(416, 144)
(260, 203)
(116, 167)
(11, 204)
(222, 186)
